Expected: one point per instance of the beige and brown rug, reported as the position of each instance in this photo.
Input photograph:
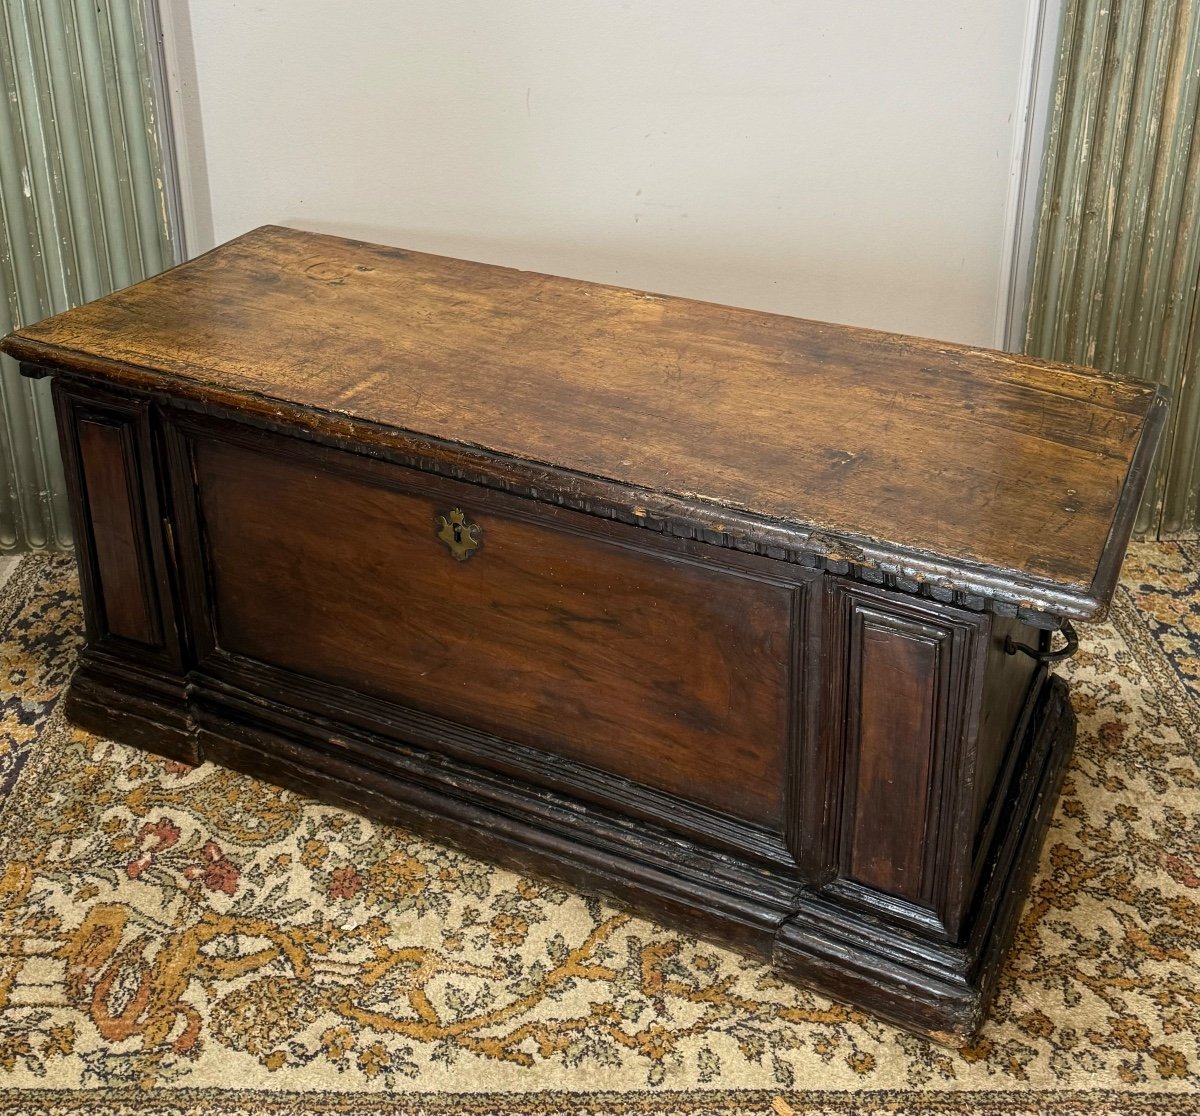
(176, 940)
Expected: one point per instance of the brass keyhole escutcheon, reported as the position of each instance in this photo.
(462, 539)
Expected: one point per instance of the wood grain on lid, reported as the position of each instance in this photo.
(964, 454)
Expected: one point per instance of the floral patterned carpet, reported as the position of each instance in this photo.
(176, 940)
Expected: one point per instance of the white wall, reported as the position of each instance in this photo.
(852, 161)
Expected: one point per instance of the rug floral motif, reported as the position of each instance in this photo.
(178, 940)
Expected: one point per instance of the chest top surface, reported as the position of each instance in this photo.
(967, 455)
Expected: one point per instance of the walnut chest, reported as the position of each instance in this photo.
(744, 620)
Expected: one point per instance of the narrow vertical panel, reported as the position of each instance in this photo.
(110, 484)
(897, 691)
(902, 698)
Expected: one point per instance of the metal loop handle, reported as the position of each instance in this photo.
(1064, 652)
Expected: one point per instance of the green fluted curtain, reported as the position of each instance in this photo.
(1117, 262)
(82, 211)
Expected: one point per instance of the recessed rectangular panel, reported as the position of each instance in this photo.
(903, 693)
(644, 663)
(111, 483)
(898, 675)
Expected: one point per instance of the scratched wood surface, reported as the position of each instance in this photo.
(965, 454)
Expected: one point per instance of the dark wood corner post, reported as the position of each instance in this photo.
(911, 770)
(903, 692)
(127, 574)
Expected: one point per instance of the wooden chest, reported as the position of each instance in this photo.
(741, 619)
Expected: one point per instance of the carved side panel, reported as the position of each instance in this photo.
(108, 462)
(904, 693)
(897, 668)
(106, 441)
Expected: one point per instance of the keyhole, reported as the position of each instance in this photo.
(458, 532)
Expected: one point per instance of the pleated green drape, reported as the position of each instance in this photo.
(1117, 261)
(82, 211)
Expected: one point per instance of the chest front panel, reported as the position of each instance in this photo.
(536, 625)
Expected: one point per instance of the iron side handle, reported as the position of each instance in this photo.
(1065, 652)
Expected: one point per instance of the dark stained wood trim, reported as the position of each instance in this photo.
(503, 818)
(137, 704)
(801, 837)
(229, 681)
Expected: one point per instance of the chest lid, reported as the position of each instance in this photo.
(977, 472)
